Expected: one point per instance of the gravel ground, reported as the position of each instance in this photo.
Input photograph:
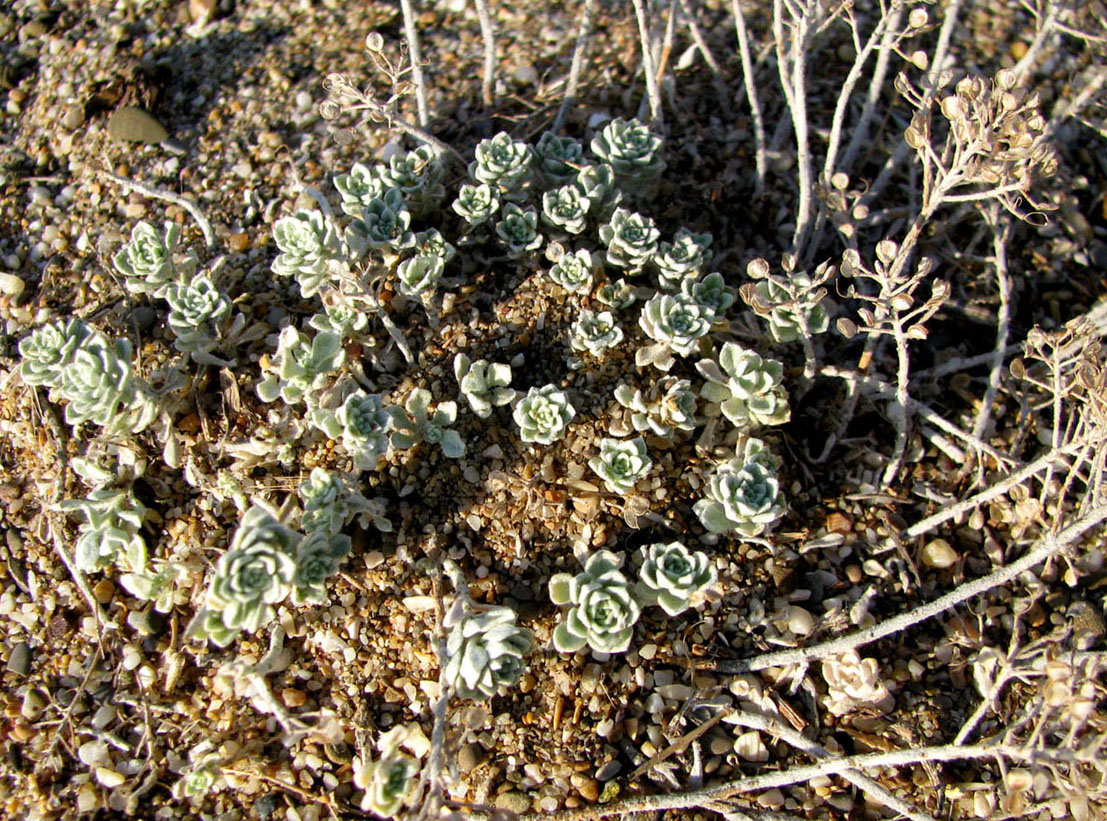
(106, 700)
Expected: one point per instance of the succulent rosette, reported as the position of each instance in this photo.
(633, 151)
(594, 333)
(573, 272)
(673, 576)
(502, 163)
(486, 652)
(476, 203)
(740, 498)
(484, 385)
(306, 243)
(48, 351)
(543, 415)
(317, 558)
(603, 608)
(677, 322)
(631, 240)
(146, 262)
(747, 387)
(621, 463)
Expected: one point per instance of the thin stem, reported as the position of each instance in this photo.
(583, 36)
(411, 34)
(1046, 29)
(760, 157)
(488, 34)
(653, 91)
(792, 68)
(1003, 322)
(899, 407)
(721, 90)
(189, 206)
(794, 739)
(1046, 547)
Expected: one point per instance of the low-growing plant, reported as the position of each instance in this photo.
(149, 263)
(621, 464)
(414, 423)
(674, 577)
(594, 333)
(746, 387)
(543, 415)
(742, 495)
(603, 609)
(486, 652)
(485, 385)
(667, 406)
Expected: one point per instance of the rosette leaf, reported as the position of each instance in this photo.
(631, 240)
(543, 415)
(673, 576)
(486, 652)
(603, 607)
(621, 463)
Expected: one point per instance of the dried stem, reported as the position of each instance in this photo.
(189, 206)
(411, 35)
(1045, 548)
(653, 90)
(488, 34)
(584, 34)
(750, 83)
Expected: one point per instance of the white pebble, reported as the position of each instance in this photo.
(11, 285)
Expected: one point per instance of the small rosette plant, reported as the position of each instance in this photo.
(566, 209)
(484, 385)
(414, 423)
(502, 163)
(621, 463)
(359, 188)
(631, 240)
(47, 352)
(386, 782)
(667, 406)
(518, 230)
(307, 244)
(197, 315)
(676, 324)
(673, 577)
(682, 258)
(573, 272)
(364, 425)
(147, 262)
(746, 387)
(486, 653)
(603, 607)
(476, 203)
(633, 151)
(543, 415)
(594, 333)
(302, 366)
(384, 224)
(111, 533)
(256, 572)
(557, 159)
(741, 496)
(100, 387)
(418, 176)
(710, 292)
(317, 558)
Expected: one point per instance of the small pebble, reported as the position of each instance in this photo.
(469, 757)
(293, 697)
(103, 591)
(11, 285)
(33, 705)
(109, 778)
(939, 555)
(132, 124)
(94, 753)
(589, 789)
(513, 801)
(608, 771)
(238, 242)
(19, 662)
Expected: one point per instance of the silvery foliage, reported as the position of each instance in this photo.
(672, 577)
(339, 317)
(484, 385)
(557, 159)
(385, 223)
(418, 176)
(710, 292)
(543, 415)
(255, 573)
(157, 584)
(853, 682)
(742, 495)
(746, 387)
(386, 782)
(486, 652)
(573, 272)
(363, 424)
(359, 188)
(414, 423)
(631, 240)
(476, 203)
(632, 151)
(197, 315)
(147, 262)
(110, 534)
(594, 332)
(503, 163)
(565, 208)
(621, 463)
(329, 504)
(597, 184)
(792, 303)
(604, 609)
(98, 383)
(302, 366)
(49, 350)
(517, 230)
(318, 556)
(667, 406)
(432, 243)
(308, 243)
(616, 295)
(202, 775)
(676, 323)
(682, 258)
(419, 276)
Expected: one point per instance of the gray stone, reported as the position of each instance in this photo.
(19, 662)
(513, 801)
(132, 124)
